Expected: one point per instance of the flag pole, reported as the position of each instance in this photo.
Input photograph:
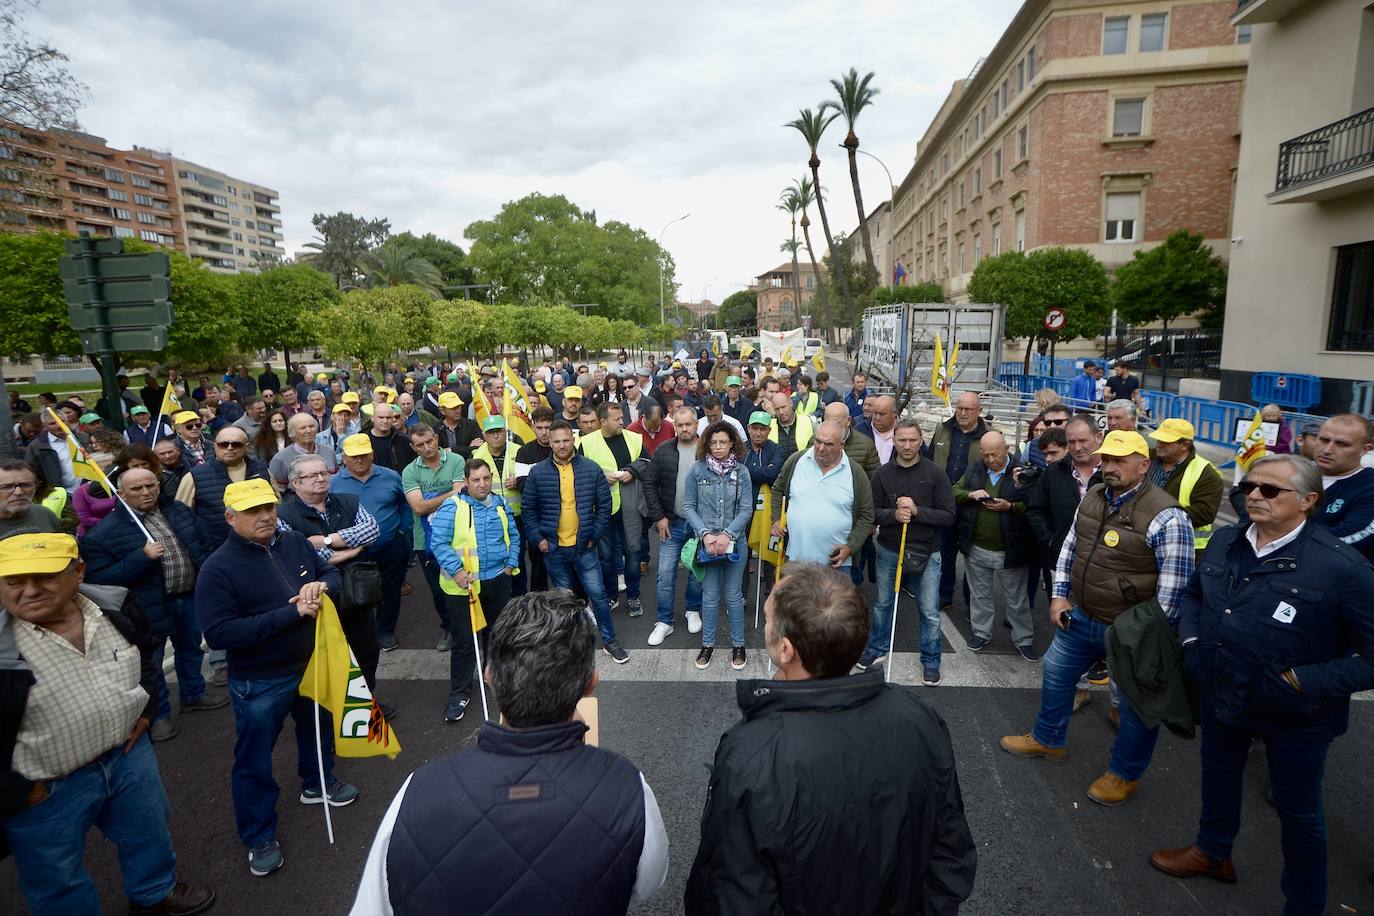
(477, 650)
(319, 743)
(758, 588)
(104, 478)
(896, 598)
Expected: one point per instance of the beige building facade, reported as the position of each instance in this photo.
(231, 224)
(1301, 292)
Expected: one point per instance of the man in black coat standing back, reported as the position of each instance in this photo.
(911, 852)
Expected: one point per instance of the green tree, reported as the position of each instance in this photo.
(847, 270)
(854, 95)
(790, 202)
(805, 190)
(371, 325)
(930, 291)
(448, 257)
(344, 242)
(812, 125)
(1030, 284)
(1180, 277)
(740, 310)
(33, 310)
(278, 307)
(395, 263)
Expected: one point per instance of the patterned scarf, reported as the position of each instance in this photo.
(721, 467)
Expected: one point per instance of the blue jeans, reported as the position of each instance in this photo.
(392, 559)
(724, 584)
(669, 562)
(565, 564)
(1296, 764)
(431, 570)
(1072, 653)
(617, 553)
(260, 710)
(880, 627)
(186, 653)
(122, 795)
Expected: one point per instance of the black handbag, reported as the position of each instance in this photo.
(362, 586)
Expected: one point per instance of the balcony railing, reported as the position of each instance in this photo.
(1327, 151)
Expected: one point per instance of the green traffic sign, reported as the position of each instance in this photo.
(135, 340)
(140, 314)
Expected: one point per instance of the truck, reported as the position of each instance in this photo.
(898, 343)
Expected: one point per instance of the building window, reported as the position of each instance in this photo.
(978, 181)
(1128, 118)
(139, 181)
(996, 106)
(810, 281)
(123, 232)
(961, 195)
(149, 235)
(1115, 32)
(1023, 144)
(1352, 299)
(147, 218)
(114, 175)
(1152, 27)
(116, 194)
(996, 164)
(977, 249)
(1020, 75)
(996, 239)
(1030, 65)
(1243, 35)
(944, 164)
(143, 200)
(1123, 217)
(1005, 93)
(121, 213)
(962, 267)
(1020, 241)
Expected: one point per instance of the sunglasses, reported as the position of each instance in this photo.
(1267, 490)
(196, 425)
(1059, 422)
(234, 444)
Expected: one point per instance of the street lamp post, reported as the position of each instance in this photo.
(891, 203)
(661, 315)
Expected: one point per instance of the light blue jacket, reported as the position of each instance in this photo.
(493, 556)
(713, 503)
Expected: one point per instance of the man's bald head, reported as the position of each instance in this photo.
(836, 412)
(994, 448)
(782, 407)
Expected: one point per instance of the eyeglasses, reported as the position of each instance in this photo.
(318, 475)
(195, 424)
(21, 487)
(235, 443)
(1060, 422)
(1267, 490)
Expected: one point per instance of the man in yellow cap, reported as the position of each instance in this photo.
(1180, 471)
(191, 437)
(76, 688)
(572, 404)
(258, 595)
(457, 433)
(1129, 542)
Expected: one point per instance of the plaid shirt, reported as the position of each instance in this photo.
(1170, 535)
(178, 569)
(363, 533)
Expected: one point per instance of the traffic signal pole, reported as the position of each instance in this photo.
(104, 349)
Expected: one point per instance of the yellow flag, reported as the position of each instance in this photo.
(949, 370)
(82, 465)
(170, 405)
(517, 420)
(715, 346)
(334, 680)
(746, 350)
(480, 409)
(479, 618)
(471, 566)
(1252, 447)
(760, 528)
(818, 360)
(786, 355)
(515, 388)
(939, 379)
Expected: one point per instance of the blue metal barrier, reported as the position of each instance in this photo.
(1285, 389)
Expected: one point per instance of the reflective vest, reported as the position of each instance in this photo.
(1191, 475)
(806, 407)
(594, 447)
(465, 545)
(499, 475)
(55, 502)
(805, 428)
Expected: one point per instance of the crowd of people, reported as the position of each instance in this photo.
(229, 510)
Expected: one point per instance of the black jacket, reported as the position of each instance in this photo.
(660, 481)
(1017, 544)
(928, 486)
(1052, 502)
(833, 796)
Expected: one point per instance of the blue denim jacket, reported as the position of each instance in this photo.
(712, 503)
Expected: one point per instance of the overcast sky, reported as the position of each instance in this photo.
(435, 114)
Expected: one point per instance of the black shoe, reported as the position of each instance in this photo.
(737, 658)
(614, 651)
(704, 656)
(1098, 675)
(1028, 653)
(978, 643)
(455, 709)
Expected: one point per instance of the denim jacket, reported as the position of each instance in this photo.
(713, 503)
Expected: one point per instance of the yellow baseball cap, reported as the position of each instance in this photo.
(342, 407)
(602, 366)
(539, 385)
(184, 416)
(389, 392)
(1174, 429)
(450, 399)
(36, 554)
(350, 397)
(358, 444)
(1120, 443)
(321, 376)
(248, 494)
(573, 391)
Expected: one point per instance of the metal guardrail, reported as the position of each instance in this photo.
(1328, 151)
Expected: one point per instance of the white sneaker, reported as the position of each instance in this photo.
(661, 631)
(694, 621)
(621, 582)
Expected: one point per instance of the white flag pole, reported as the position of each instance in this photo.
(319, 743)
(896, 598)
(477, 650)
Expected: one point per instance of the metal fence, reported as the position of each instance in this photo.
(1160, 358)
(1328, 151)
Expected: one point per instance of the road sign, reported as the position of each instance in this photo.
(1055, 320)
(138, 340)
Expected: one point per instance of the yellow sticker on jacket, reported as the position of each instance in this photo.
(1111, 538)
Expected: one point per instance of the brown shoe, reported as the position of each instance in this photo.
(1114, 717)
(1081, 698)
(1111, 790)
(1190, 862)
(406, 589)
(184, 900)
(1027, 746)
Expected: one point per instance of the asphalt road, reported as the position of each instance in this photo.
(1043, 846)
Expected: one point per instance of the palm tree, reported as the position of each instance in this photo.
(806, 193)
(811, 125)
(396, 264)
(855, 95)
(791, 203)
(790, 246)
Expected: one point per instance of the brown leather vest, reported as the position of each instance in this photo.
(1113, 568)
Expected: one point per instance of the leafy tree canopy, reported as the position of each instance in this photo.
(448, 257)
(1180, 277)
(279, 305)
(930, 291)
(740, 309)
(371, 325)
(344, 243)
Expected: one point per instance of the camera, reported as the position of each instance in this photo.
(1028, 474)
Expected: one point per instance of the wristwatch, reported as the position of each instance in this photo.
(329, 540)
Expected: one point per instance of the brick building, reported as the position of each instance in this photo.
(781, 304)
(1102, 126)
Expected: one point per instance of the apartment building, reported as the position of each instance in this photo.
(1301, 293)
(781, 303)
(231, 224)
(67, 181)
(1099, 125)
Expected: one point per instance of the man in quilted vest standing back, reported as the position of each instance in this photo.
(540, 821)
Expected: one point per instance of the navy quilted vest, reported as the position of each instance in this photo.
(527, 822)
(211, 479)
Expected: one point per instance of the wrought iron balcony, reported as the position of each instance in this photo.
(1327, 152)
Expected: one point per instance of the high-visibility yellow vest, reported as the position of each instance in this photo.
(806, 407)
(1191, 475)
(805, 428)
(594, 447)
(55, 502)
(499, 475)
(465, 545)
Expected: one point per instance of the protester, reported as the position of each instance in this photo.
(566, 511)
(591, 817)
(911, 495)
(790, 430)
(1148, 554)
(1344, 440)
(779, 833)
(1288, 686)
(172, 461)
(615, 450)
(202, 490)
(341, 426)
(252, 608)
(50, 455)
(390, 445)
(858, 447)
(304, 440)
(379, 491)
(1307, 440)
(653, 428)
(91, 502)
(882, 419)
(996, 542)
(1083, 388)
(858, 393)
(476, 547)
(78, 683)
(1123, 385)
(429, 480)
(272, 437)
(954, 447)
(1180, 471)
(19, 514)
(829, 502)
(254, 413)
(191, 438)
(665, 481)
(143, 430)
(1123, 415)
